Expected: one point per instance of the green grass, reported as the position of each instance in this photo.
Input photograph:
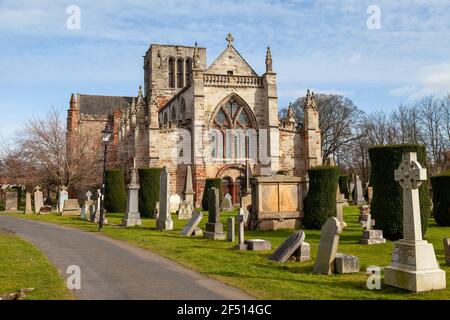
(260, 277)
(23, 266)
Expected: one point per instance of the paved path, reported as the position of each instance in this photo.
(113, 269)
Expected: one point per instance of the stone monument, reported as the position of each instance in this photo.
(329, 241)
(414, 266)
(214, 228)
(240, 218)
(370, 236)
(185, 210)
(447, 251)
(188, 189)
(227, 204)
(231, 235)
(71, 207)
(62, 196)
(359, 196)
(293, 248)
(132, 216)
(164, 221)
(191, 228)
(38, 199)
(28, 206)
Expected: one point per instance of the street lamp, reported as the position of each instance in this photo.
(106, 137)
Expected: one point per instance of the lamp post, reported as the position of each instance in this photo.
(106, 137)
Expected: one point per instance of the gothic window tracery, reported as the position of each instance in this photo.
(180, 72)
(232, 121)
(188, 70)
(171, 73)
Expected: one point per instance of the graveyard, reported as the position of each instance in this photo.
(253, 272)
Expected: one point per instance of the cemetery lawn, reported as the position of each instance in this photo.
(254, 273)
(22, 266)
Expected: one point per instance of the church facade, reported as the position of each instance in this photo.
(218, 119)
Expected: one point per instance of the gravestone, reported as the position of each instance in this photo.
(11, 201)
(287, 249)
(191, 227)
(258, 244)
(303, 253)
(227, 204)
(447, 251)
(28, 206)
(346, 263)
(340, 206)
(63, 196)
(185, 210)
(241, 241)
(83, 212)
(329, 241)
(370, 236)
(188, 189)
(89, 207)
(174, 202)
(71, 207)
(414, 266)
(132, 216)
(214, 228)
(38, 200)
(359, 196)
(231, 235)
(98, 208)
(246, 203)
(164, 221)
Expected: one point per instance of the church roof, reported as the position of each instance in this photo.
(231, 60)
(102, 105)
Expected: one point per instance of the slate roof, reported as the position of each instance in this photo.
(102, 105)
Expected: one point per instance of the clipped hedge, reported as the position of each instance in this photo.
(441, 198)
(387, 201)
(149, 190)
(320, 202)
(209, 183)
(115, 193)
(344, 186)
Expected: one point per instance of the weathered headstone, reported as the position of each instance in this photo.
(359, 196)
(98, 208)
(28, 206)
(132, 216)
(414, 266)
(62, 196)
(185, 210)
(89, 207)
(447, 251)
(214, 228)
(345, 263)
(340, 206)
(258, 244)
(370, 236)
(188, 189)
(174, 202)
(227, 204)
(38, 199)
(284, 252)
(329, 241)
(11, 201)
(192, 225)
(231, 235)
(240, 218)
(164, 221)
(71, 207)
(369, 194)
(246, 202)
(303, 253)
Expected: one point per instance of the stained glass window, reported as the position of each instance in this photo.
(243, 118)
(221, 118)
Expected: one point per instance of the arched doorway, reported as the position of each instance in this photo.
(232, 181)
(227, 186)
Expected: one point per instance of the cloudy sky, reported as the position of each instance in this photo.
(325, 45)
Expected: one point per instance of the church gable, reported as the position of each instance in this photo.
(230, 61)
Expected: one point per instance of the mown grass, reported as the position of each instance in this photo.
(22, 265)
(260, 277)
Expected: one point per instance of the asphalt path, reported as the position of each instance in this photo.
(113, 269)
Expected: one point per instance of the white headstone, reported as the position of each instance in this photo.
(329, 241)
(227, 204)
(38, 200)
(414, 266)
(174, 202)
(63, 196)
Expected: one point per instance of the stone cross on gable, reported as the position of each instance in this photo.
(410, 175)
(229, 39)
(89, 195)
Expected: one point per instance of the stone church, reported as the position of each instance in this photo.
(216, 118)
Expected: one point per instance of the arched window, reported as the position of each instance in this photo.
(188, 71)
(180, 73)
(165, 119)
(171, 73)
(233, 120)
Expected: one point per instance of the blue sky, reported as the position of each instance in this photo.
(322, 45)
